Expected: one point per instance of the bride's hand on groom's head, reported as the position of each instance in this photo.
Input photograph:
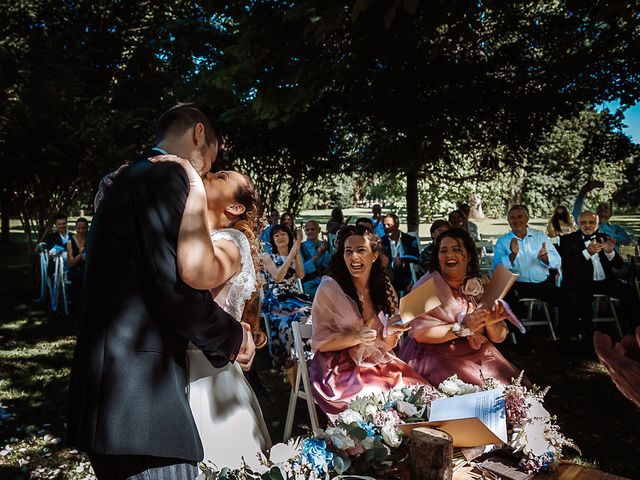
(247, 349)
(105, 185)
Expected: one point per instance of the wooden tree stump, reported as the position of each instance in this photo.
(431, 454)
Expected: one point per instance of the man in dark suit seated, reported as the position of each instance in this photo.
(401, 250)
(588, 259)
(128, 405)
(57, 241)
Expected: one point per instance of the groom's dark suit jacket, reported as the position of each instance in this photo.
(127, 392)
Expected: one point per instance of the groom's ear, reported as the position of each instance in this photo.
(199, 137)
(235, 209)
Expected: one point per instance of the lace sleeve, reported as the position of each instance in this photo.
(243, 285)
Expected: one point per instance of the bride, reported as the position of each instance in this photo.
(225, 409)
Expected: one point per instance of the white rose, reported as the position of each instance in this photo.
(396, 394)
(349, 416)
(370, 409)
(390, 436)
(406, 408)
(450, 387)
(340, 438)
(281, 453)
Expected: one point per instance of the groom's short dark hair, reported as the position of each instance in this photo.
(182, 117)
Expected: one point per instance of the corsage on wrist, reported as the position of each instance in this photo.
(460, 331)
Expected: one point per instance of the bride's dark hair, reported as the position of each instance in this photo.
(382, 293)
(248, 223)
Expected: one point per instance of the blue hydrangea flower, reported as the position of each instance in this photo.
(369, 428)
(315, 451)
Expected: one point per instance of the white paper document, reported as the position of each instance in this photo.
(487, 406)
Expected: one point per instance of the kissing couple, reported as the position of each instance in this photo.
(156, 380)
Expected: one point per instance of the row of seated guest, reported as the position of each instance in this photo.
(354, 350)
(283, 304)
(531, 254)
(588, 260)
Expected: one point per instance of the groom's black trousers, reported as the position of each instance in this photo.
(141, 467)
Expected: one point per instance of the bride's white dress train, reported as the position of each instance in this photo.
(225, 409)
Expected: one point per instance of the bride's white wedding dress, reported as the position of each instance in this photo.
(225, 409)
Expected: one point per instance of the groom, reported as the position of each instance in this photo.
(128, 407)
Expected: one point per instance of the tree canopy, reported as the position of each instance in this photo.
(441, 93)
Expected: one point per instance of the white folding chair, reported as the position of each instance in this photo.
(597, 298)
(265, 320)
(529, 322)
(485, 250)
(301, 332)
(414, 272)
(332, 242)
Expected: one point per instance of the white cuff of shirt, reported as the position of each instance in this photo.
(585, 252)
(610, 255)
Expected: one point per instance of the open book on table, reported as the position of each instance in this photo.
(472, 420)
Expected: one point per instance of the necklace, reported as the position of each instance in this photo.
(362, 294)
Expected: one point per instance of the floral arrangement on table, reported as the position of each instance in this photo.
(534, 436)
(366, 436)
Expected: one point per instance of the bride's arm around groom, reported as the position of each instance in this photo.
(128, 407)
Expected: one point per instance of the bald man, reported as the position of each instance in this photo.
(588, 257)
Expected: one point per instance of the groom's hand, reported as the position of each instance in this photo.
(247, 349)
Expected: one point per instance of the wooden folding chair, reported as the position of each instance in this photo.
(301, 387)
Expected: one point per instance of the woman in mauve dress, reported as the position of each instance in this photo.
(354, 327)
(458, 336)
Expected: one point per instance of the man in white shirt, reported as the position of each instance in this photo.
(531, 254)
(588, 259)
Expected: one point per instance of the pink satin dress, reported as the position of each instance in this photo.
(341, 376)
(466, 357)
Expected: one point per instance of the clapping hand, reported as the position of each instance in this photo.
(397, 261)
(594, 247)
(367, 336)
(498, 313)
(478, 319)
(395, 325)
(247, 349)
(608, 244)
(295, 248)
(514, 246)
(543, 255)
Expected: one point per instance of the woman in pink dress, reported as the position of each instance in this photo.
(457, 337)
(353, 328)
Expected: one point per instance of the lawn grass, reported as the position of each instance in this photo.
(36, 348)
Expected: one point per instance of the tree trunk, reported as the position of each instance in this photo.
(431, 454)
(413, 200)
(4, 211)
